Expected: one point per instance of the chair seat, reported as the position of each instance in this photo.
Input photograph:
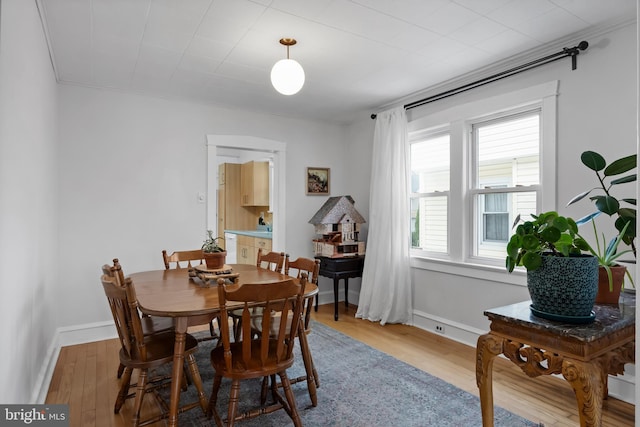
(154, 325)
(159, 350)
(256, 367)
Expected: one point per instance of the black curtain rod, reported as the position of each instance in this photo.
(572, 52)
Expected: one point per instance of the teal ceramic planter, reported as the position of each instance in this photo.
(564, 288)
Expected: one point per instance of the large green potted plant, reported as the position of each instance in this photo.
(606, 202)
(214, 255)
(610, 177)
(562, 280)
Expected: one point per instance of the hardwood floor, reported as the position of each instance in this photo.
(85, 378)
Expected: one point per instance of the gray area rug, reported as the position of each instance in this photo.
(359, 387)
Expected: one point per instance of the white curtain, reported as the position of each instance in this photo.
(385, 294)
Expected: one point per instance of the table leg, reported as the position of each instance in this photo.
(586, 380)
(176, 373)
(487, 348)
(346, 292)
(335, 298)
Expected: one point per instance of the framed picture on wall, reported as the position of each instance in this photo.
(317, 181)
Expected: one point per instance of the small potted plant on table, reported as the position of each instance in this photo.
(562, 280)
(610, 273)
(214, 256)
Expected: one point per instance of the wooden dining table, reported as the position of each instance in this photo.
(173, 293)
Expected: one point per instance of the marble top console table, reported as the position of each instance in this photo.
(584, 354)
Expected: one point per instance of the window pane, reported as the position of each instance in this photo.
(508, 152)
(495, 202)
(495, 227)
(430, 164)
(429, 223)
(496, 217)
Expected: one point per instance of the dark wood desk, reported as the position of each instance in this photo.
(340, 268)
(584, 354)
(172, 293)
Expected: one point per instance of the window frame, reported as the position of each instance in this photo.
(457, 120)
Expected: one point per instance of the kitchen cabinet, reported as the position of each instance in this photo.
(254, 184)
(248, 248)
(231, 215)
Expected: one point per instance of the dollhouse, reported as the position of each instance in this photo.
(337, 224)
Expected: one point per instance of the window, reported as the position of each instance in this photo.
(475, 168)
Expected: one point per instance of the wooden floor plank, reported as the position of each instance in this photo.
(102, 410)
(77, 382)
(449, 360)
(90, 381)
(67, 374)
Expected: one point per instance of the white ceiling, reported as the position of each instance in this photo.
(357, 54)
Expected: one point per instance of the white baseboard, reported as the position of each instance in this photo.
(39, 393)
(66, 336)
(621, 387)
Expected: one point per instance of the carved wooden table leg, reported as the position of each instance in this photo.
(487, 348)
(586, 380)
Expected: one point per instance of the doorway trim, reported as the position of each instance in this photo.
(245, 142)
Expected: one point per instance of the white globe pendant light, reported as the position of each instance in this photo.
(287, 75)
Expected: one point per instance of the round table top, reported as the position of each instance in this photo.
(173, 293)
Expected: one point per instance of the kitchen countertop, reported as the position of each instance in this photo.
(252, 233)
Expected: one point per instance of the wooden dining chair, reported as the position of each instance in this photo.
(310, 267)
(178, 257)
(150, 324)
(197, 257)
(258, 356)
(145, 352)
(271, 260)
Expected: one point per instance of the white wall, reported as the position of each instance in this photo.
(131, 167)
(28, 207)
